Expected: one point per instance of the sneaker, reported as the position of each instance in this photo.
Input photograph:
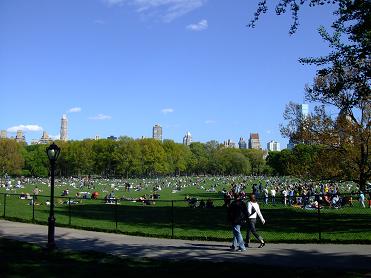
(232, 248)
(241, 249)
(261, 245)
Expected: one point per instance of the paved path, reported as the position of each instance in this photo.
(349, 256)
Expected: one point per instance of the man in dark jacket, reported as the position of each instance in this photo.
(237, 214)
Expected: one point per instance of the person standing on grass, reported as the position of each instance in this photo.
(362, 199)
(253, 210)
(237, 212)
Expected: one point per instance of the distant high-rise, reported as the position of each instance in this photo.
(303, 110)
(64, 128)
(242, 144)
(157, 132)
(187, 139)
(229, 144)
(254, 141)
(45, 139)
(301, 114)
(3, 134)
(20, 138)
(273, 146)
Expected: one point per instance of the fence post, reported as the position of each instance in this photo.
(33, 208)
(69, 211)
(116, 213)
(4, 203)
(172, 218)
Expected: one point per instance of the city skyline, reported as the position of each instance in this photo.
(157, 133)
(117, 70)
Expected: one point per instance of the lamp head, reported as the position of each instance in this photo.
(53, 152)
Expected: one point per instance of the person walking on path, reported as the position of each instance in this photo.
(237, 213)
(253, 210)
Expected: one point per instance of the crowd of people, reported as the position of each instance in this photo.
(268, 190)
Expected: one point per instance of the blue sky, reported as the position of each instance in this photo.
(117, 67)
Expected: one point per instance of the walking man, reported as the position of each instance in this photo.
(237, 212)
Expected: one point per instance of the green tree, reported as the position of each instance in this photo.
(11, 159)
(256, 158)
(36, 160)
(178, 156)
(342, 80)
(103, 157)
(128, 157)
(199, 159)
(232, 162)
(153, 157)
(80, 157)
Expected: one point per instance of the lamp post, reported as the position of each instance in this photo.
(53, 152)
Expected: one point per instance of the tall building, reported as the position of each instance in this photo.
(273, 146)
(45, 139)
(302, 113)
(64, 128)
(254, 141)
(242, 144)
(157, 132)
(3, 134)
(187, 139)
(229, 144)
(303, 110)
(20, 138)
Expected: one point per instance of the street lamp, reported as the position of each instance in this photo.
(53, 152)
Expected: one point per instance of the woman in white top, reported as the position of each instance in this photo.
(254, 211)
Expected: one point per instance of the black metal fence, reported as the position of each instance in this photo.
(290, 220)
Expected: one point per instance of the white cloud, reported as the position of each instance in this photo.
(166, 10)
(209, 122)
(100, 117)
(25, 128)
(74, 110)
(200, 26)
(167, 110)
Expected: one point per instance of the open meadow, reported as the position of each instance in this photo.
(172, 207)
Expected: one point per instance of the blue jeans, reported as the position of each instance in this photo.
(237, 237)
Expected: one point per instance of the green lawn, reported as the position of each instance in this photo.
(178, 220)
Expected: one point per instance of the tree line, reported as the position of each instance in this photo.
(130, 158)
(127, 157)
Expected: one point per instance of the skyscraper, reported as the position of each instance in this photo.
(229, 144)
(303, 110)
(187, 139)
(3, 134)
(242, 144)
(157, 132)
(45, 139)
(301, 114)
(20, 138)
(273, 146)
(254, 141)
(64, 128)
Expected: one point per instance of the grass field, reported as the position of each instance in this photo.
(171, 216)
